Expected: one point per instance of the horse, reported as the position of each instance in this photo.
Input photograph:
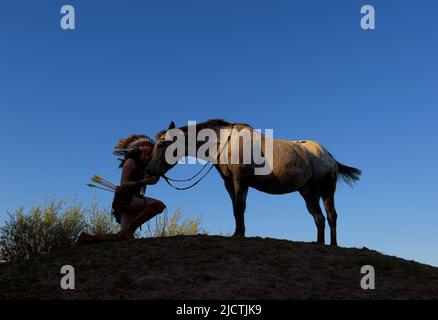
(304, 166)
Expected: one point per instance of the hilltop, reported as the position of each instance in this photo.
(214, 267)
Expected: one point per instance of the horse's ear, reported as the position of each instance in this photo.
(171, 125)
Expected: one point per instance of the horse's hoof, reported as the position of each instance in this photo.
(238, 235)
(123, 236)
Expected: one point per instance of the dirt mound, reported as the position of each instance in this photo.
(213, 267)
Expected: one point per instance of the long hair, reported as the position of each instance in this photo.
(140, 166)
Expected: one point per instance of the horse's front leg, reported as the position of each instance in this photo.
(229, 185)
(240, 193)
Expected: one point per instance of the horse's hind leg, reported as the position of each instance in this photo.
(328, 189)
(312, 197)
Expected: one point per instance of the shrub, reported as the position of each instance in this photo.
(43, 229)
(55, 225)
(165, 226)
(99, 221)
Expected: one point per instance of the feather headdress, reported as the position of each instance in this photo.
(133, 142)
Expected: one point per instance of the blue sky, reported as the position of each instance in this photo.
(304, 68)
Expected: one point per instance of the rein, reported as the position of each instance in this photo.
(168, 180)
(184, 180)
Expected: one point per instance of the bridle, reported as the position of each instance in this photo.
(168, 180)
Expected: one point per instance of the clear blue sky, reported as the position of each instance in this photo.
(303, 68)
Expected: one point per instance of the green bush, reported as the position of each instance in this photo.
(43, 229)
(99, 221)
(55, 225)
(165, 226)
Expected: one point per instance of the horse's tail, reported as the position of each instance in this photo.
(348, 174)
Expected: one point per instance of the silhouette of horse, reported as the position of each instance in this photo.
(303, 166)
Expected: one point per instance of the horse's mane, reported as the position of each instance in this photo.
(205, 125)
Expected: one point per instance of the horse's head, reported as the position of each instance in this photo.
(158, 164)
